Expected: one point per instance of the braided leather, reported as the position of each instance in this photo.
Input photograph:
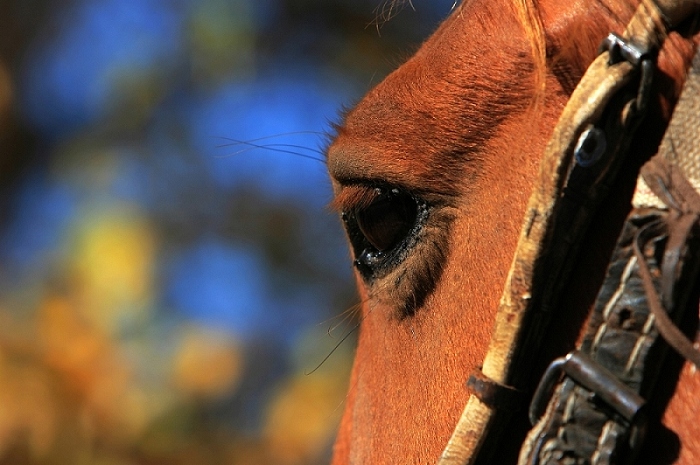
(578, 428)
(651, 272)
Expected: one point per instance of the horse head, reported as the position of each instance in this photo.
(432, 171)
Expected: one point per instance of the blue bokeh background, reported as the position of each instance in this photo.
(164, 180)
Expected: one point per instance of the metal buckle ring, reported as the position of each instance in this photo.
(597, 379)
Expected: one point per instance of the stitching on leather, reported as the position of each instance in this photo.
(624, 279)
(614, 299)
(605, 431)
(639, 345)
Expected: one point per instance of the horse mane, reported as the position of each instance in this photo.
(531, 21)
(560, 54)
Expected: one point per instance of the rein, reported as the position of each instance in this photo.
(590, 405)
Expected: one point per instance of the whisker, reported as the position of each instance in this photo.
(387, 10)
(334, 349)
(281, 134)
(269, 146)
(344, 316)
(274, 148)
(347, 315)
(253, 143)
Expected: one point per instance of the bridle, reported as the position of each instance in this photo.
(590, 405)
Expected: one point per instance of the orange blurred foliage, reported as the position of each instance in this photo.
(207, 363)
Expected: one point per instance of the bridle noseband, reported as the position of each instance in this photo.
(590, 405)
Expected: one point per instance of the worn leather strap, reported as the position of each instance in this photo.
(622, 338)
(665, 174)
(494, 394)
(652, 270)
(551, 232)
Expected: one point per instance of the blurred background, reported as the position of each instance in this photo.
(170, 277)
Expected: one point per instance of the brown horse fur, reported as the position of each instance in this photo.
(461, 125)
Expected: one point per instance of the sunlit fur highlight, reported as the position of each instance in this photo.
(534, 30)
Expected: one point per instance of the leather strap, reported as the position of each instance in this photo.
(622, 340)
(609, 98)
(653, 267)
(554, 225)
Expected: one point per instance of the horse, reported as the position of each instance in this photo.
(431, 172)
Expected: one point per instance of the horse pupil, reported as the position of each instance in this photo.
(388, 220)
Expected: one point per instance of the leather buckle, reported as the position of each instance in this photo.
(620, 49)
(600, 381)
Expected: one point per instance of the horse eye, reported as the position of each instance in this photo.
(388, 219)
(382, 231)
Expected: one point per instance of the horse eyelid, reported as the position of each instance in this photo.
(356, 197)
(352, 197)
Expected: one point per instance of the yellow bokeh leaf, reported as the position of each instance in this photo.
(113, 261)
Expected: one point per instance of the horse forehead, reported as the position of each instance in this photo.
(397, 124)
(424, 108)
(445, 102)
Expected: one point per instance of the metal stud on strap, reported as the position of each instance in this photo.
(585, 371)
(621, 49)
